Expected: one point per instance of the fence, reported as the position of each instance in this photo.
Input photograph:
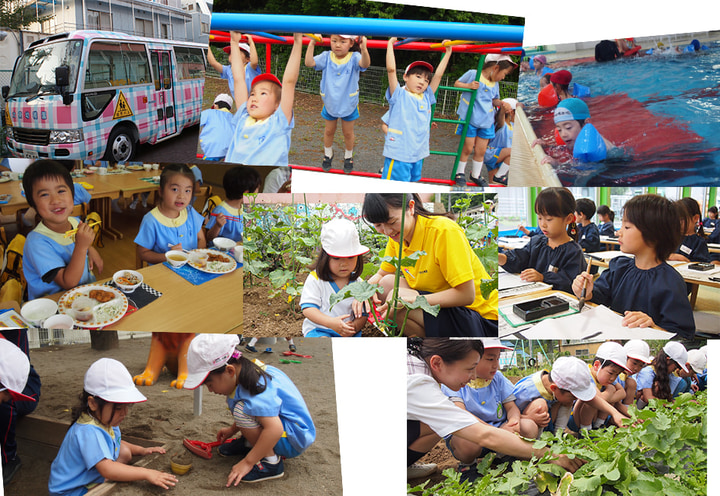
(39, 338)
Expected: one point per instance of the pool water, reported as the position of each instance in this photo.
(663, 110)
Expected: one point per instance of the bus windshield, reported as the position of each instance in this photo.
(35, 71)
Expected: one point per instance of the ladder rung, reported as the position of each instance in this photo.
(453, 88)
(454, 154)
(454, 121)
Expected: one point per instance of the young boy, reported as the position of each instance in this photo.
(589, 232)
(407, 141)
(547, 397)
(249, 57)
(499, 147)
(53, 262)
(226, 219)
(481, 128)
(214, 124)
(638, 356)
(264, 120)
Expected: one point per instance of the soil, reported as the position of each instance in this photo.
(167, 417)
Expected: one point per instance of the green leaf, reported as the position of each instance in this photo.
(280, 277)
(422, 303)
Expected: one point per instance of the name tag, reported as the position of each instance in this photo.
(685, 249)
(552, 268)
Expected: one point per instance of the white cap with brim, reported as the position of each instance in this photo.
(224, 97)
(489, 343)
(339, 238)
(638, 349)
(572, 374)
(512, 101)
(109, 380)
(497, 57)
(206, 353)
(677, 352)
(697, 360)
(613, 352)
(14, 370)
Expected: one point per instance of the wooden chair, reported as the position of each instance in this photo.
(203, 193)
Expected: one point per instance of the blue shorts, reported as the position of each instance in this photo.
(325, 115)
(491, 163)
(320, 332)
(402, 171)
(476, 132)
(284, 448)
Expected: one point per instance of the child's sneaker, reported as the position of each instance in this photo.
(417, 470)
(251, 349)
(460, 180)
(348, 165)
(479, 181)
(265, 471)
(293, 348)
(501, 180)
(236, 447)
(327, 163)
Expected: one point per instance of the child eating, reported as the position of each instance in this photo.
(226, 219)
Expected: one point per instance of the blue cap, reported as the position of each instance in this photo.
(571, 109)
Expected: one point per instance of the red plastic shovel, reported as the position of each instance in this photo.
(291, 353)
(202, 449)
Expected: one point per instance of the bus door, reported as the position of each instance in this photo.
(164, 95)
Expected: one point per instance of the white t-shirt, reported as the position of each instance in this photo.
(427, 403)
(316, 294)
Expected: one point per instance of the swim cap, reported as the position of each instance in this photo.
(561, 77)
(571, 109)
(540, 58)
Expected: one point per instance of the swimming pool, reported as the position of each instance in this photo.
(663, 110)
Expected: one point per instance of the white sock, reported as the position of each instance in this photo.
(476, 168)
(290, 341)
(272, 459)
(598, 423)
(348, 153)
(329, 152)
(252, 341)
(586, 427)
(461, 167)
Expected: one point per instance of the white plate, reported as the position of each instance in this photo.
(65, 305)
(228, 265)
(4, 179)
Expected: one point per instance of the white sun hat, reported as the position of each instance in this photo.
(14, 370)
(638, 349)
(677, 352)
(110, 380)
(697, 360)
(614, 352)
(572, 374)
(224, 97)
(494, 343)
(206, 353)
(339, 238)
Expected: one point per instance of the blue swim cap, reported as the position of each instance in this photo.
(696, 45)
(571, 109)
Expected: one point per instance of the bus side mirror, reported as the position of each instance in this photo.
(62, 76)
(5, 92)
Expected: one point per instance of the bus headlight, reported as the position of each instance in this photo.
(67, 136)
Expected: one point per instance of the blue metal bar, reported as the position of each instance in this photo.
(268, 35)
(367, 27)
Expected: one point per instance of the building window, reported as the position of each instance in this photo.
(165, 31)
(205, 27)
(99, 20)
(144, 27)
(582, 352)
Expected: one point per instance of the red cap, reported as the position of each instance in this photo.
(266, 77)
(561, 77)
(426, 65)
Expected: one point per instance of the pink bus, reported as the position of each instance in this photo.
(98, 95)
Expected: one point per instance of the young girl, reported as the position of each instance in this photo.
(638, 356)
(644, 288)
(555, 257)
(339, 88)
(607, 218)
(431, 415)
(490, 398)
(693, 248)
(93, 450)
(339, 263)
(267, 408)
(654, 380)
(174, 224)
(482, 120)
(448, 275)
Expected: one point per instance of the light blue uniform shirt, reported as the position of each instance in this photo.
(156, 230)
(46, 251)
(250, 74)
(503, 139)
(483, 114)
(260, 143)
(339, 86)
(215, 134)
(526, 391)
(486, 403)
(408, 136)
(281, 398)
(645, 378)
(85, 445)
(81, 194)
(232, 229)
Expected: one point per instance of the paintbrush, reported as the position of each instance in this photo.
(581, 301)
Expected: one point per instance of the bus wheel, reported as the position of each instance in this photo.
(121, 145)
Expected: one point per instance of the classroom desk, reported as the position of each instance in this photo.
(609, 242)
(215, 306)
(714, 248)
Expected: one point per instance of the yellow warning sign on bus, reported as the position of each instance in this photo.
(122, 109)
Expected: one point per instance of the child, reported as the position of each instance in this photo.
(93, 451)
(407, 141)
(539, 64)
(638, 356)
(53, 262)
(500, 146)
(264, 119)
(589, 233)
(555, 257)
(607, 219)
(340, 262)
(644, 288)
(693, 248)
(481, 127)
(226, 219)
(654, 380)
(266, 406)
(174, 224)
(582, 140)
(214, 123)
(546, 397)
(560, 81)
(248, 58)
(490, 398)
(544, 80)
(340, 91)
(711, 220)
(610, 361)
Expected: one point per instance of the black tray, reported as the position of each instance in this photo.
(537, 309)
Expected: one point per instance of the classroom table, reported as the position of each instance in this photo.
(214, 306)
(713, 247)
(609, 241)
(512, 243)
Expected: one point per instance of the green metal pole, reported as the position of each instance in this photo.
(652, 190)
(533, 193)
(686, 192)
(603, 196)
(712, 197)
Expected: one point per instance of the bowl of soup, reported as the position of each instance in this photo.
(127, 280)
(176, 258)
(37, 310)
